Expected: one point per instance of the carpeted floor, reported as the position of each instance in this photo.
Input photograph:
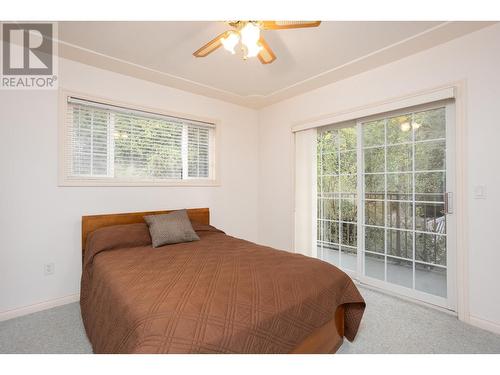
(390, 325)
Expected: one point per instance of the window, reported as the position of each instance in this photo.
(383, 200)
(110, 144)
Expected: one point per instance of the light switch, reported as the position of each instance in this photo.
(480, 192)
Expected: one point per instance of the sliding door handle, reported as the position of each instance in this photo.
(448, 203)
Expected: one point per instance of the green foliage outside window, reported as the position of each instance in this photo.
(398, 152)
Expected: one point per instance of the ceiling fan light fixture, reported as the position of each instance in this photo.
(251, 50)
(250, 33)
(231, 41)
(250, 36)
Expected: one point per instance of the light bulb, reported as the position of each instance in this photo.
(250, 33)
(252, 50)
(230, 41)
(405, 126)
(250, 36)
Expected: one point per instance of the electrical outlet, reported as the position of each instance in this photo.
(480, 192)
(49, 269)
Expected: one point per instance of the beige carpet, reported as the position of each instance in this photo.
(390, 325)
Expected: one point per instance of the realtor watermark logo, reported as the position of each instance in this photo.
(29, 59)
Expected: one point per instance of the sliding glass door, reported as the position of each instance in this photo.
(337, 197)
(384, 203)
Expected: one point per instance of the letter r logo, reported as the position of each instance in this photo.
(27, 49)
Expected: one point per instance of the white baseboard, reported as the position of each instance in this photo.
(485, 324)
(14, 313)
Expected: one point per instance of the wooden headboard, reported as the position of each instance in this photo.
(93, 222)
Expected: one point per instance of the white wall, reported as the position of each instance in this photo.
(475, 58)
(40, 222)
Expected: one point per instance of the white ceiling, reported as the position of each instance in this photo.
(307, 58)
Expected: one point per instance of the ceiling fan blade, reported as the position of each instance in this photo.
(278, 25)
(211, 46)
(266, 54)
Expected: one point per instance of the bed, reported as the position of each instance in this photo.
(217, 295)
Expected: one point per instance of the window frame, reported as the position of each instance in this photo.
(63, 152)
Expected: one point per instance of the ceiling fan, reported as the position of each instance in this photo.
(249, 34)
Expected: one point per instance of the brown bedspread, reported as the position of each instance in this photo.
(217, 295)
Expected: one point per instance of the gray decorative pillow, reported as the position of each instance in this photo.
(171, 228)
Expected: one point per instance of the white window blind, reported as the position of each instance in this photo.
(111, 143)
(198, 151)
